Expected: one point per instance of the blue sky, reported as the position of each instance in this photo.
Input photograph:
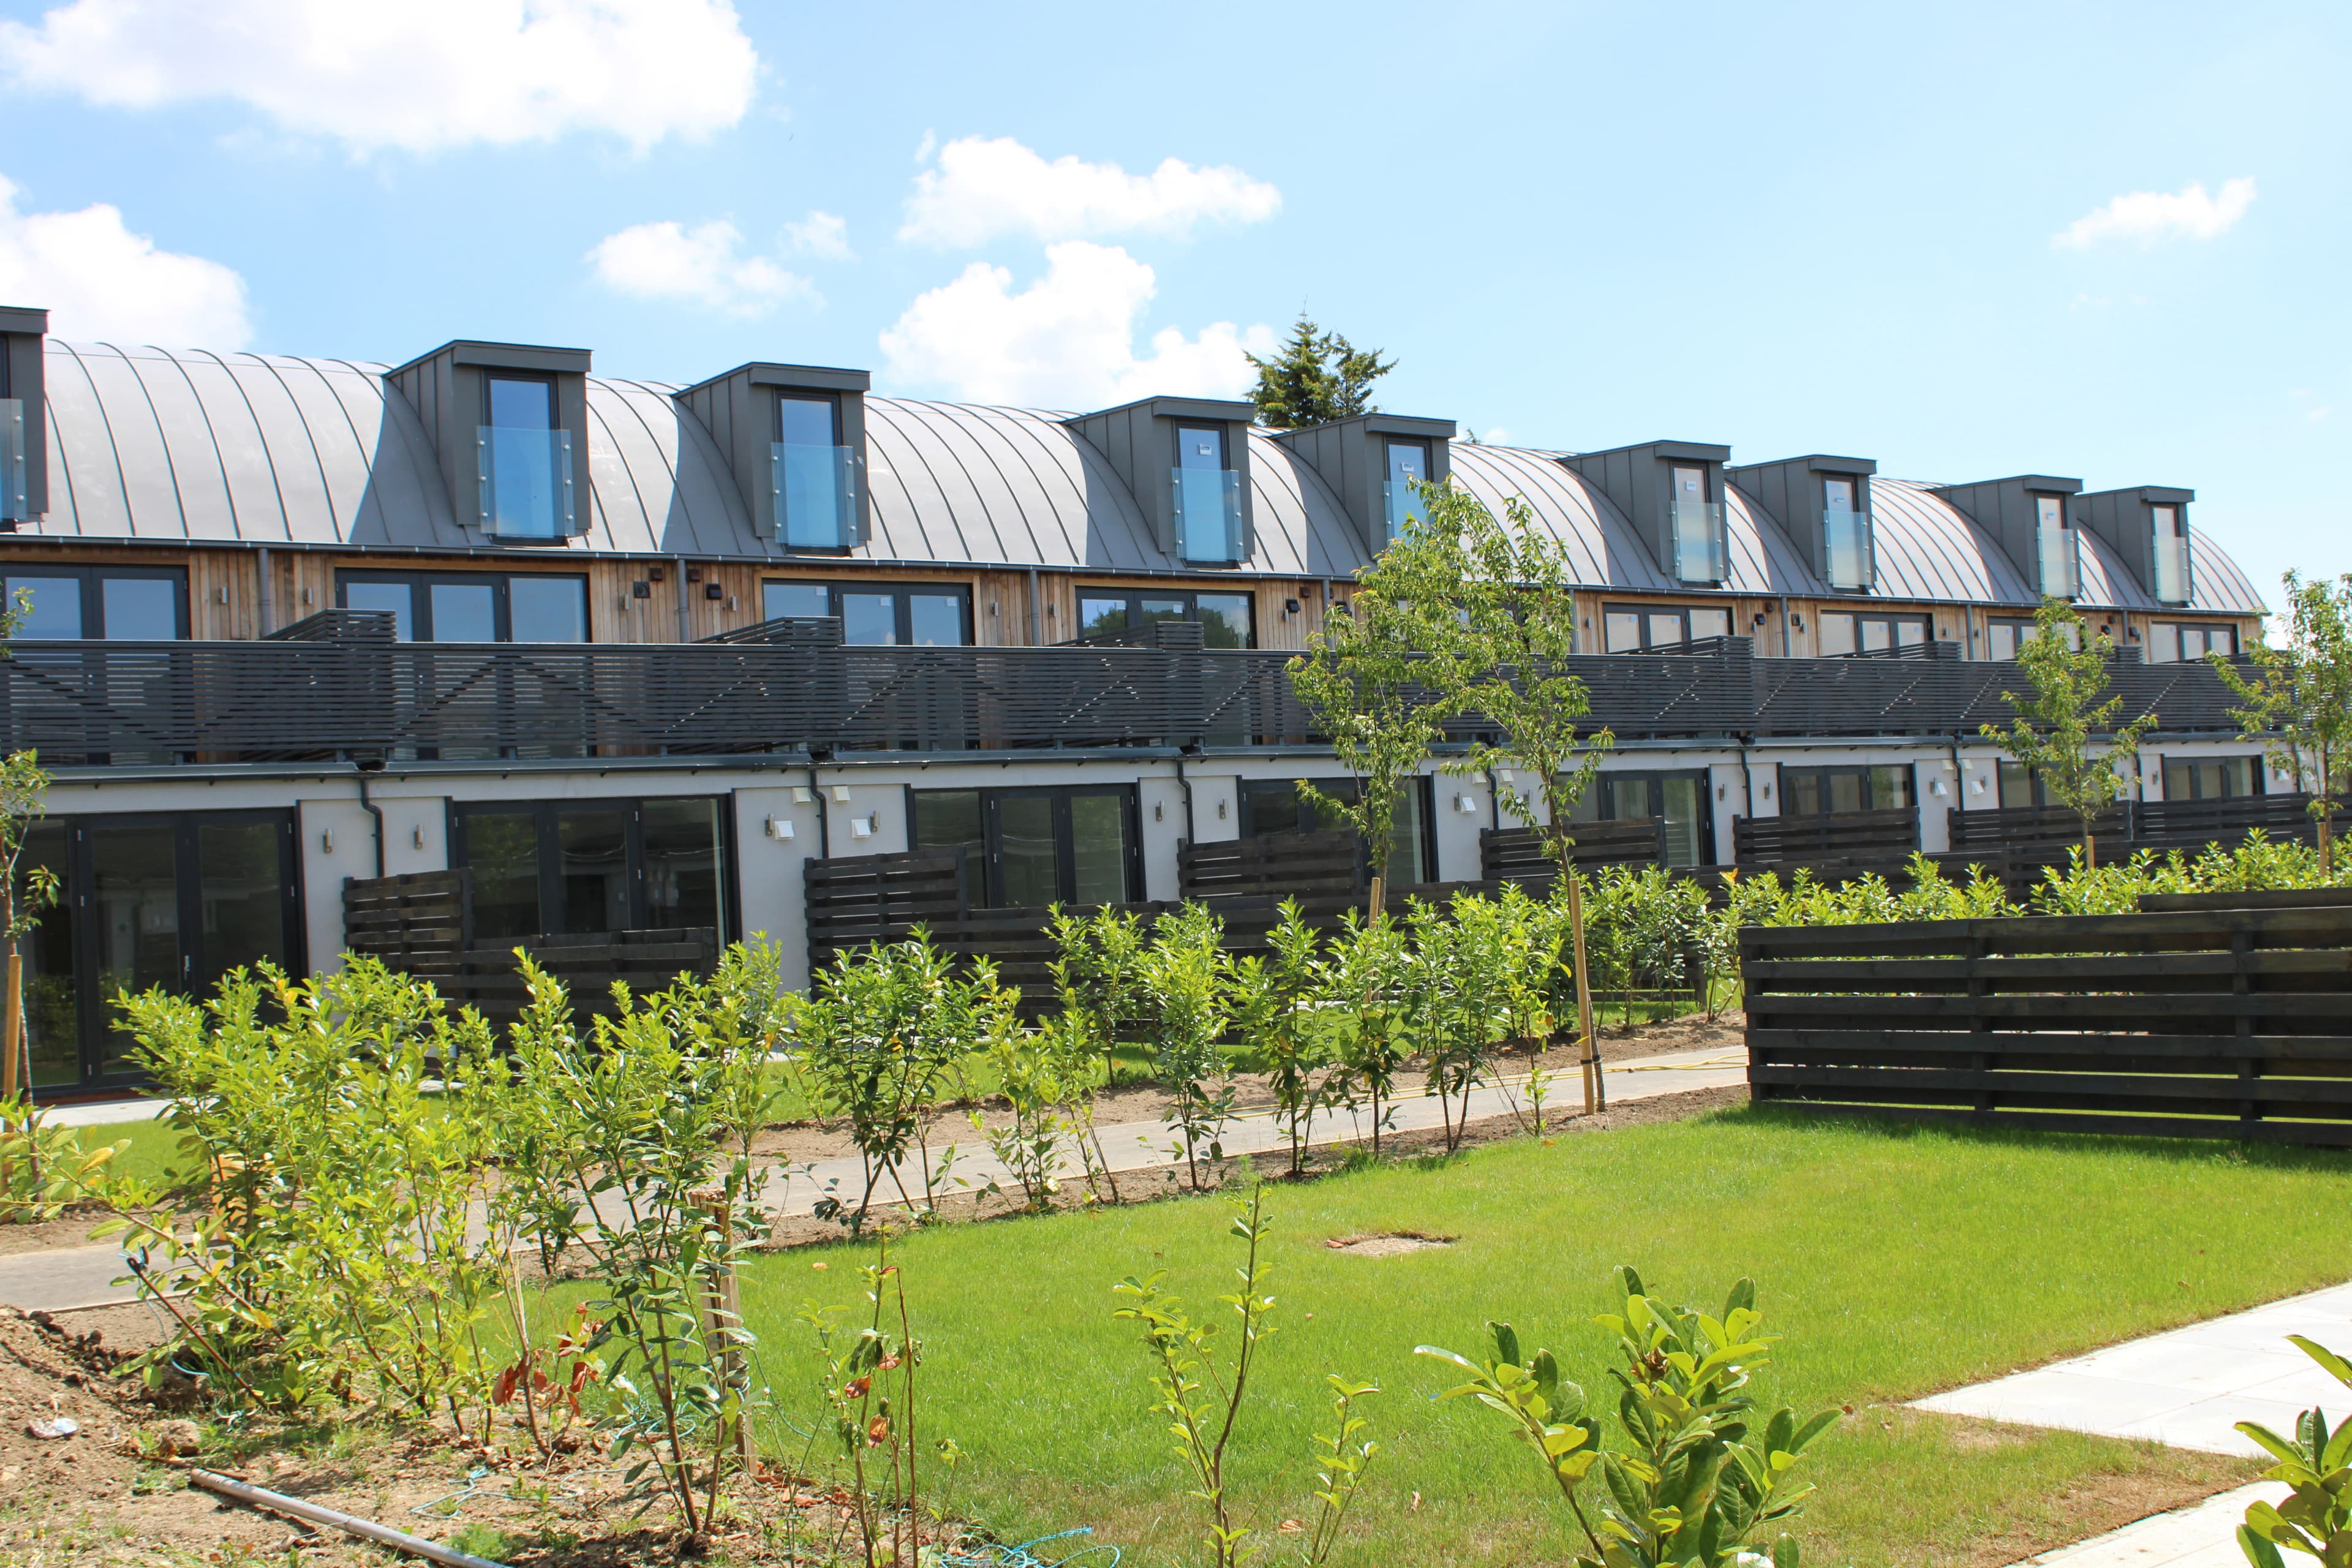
(2106, 241)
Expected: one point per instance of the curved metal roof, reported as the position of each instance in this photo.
(165, 446)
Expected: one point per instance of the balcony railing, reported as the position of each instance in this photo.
(2060, 567)
(1849, 550)
(526, 483)
(1208, 504)
(14, 506)
(1702, 555)
(1401, 506)
(355, 693)
(2172, 580)
(815, 496)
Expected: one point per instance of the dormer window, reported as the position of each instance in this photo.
(814, 474)
(1207, 496)
(526, 474)
(14, 504)
(1408, 468)
(1695, 527)
(2058, 567)
(24, 462)
(1849, 558)
(2170, 554)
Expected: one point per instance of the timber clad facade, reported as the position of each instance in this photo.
(298, 624)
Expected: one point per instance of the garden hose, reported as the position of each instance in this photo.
(996, 1554)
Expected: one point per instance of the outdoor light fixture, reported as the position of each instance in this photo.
(1935, 787)
(1221, 811)
(1289, 607)
(327, 842)
(779, 829)
(1158, 812)
(1465, 804)
(416, 836)
(714, 589)
(861, 827)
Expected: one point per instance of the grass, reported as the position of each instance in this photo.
(1895, 1261)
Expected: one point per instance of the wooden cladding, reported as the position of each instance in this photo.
(2213, 1015)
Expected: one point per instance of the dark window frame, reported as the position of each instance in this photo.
(2257, 774)
(2173, 630)
(1894, 619)
(1643, 612)
(420, 581)
(989, 873)
(1604, 786)
(902, 609)
(525, 377)
(90, 578)
(548, 842)
(1823, 772)
(1190, 597)
(1423, 804)
(832, 401)
(78, 903)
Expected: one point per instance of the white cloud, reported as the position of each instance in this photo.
(419, 75)
(704, 264)
(2152, 216)
(984, 188)
(821, 234)
(1066, 341)
(99, 279)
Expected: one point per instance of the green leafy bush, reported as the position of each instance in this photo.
(2316, 1519)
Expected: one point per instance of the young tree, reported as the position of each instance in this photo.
(1380, 678)
(2300, 699)
(2052, 731)
(24, 790)
(1314, 378)
(1519, 604)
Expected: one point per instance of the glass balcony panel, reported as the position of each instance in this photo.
(1701, 552)
(13, 504)
(1401, 505)
(1208, 514)
(526, 483)
(2060, 576)
(2171, 569)
(815, 490)
(1847, 548)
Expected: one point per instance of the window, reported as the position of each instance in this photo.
(1208, 497)
(2021, 786)
(1701, 552)
(815, 478)
(877, 613)
(1407, 465)
(1847, 558)
(2169, 551)
(1839, 632)
(2170, 642)
(1649, 628)
(139, 603)
(1275, 805)
(1827, 792)
(1680, 798)
(525, 474)
(2058, 568)
(471, 606)
(2002, 638)
(2212, 778)
(1026, 848)
(173, 900)
(582, 868)
(1227, 620)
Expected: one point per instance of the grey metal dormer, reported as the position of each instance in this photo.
(1672, 492)
(508, 423)
(24, 429)
(2027, 516)
(795, 436)
(1373, 461)
(1186, 460)
(2147, 525)
(1823, 504)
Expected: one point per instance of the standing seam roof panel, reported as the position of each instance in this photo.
(294, 457)
(255, 498)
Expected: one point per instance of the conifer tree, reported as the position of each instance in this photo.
(1314, 378)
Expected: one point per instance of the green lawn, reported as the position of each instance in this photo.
(1894, 1261)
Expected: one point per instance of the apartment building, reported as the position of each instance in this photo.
(633, 653)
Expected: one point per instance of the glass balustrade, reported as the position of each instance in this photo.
(1849, 557)
(2054, 553)
(1208, 514)
(526, 483)
(1701, 552)
(1401, 504)
(13, 504)
(2172, 581)
(816, 491)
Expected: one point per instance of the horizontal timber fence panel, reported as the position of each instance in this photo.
(343, 687)
(417, 924)
(1524, 856)
(1305, 865)
(2232, 1019)
(1835, 838)
(490, 978)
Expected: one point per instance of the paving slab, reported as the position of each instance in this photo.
(2202, 1536)
(2188, 1387)
(65, 1278)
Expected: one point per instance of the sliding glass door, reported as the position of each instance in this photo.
(582, 868)
(175, 901)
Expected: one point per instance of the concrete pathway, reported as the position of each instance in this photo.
(2202, 1536)
(65, 1278)
(2188, 1387)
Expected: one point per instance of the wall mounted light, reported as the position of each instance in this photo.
(861, 826)
(1158, 812)
(1723, 792)
(1935, 787)
(1976, 787)
(1766, 794)
(1221, 811)
(327, 842)
(416, 837)
(715, 591)
(641, 589)
(1465, 804)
